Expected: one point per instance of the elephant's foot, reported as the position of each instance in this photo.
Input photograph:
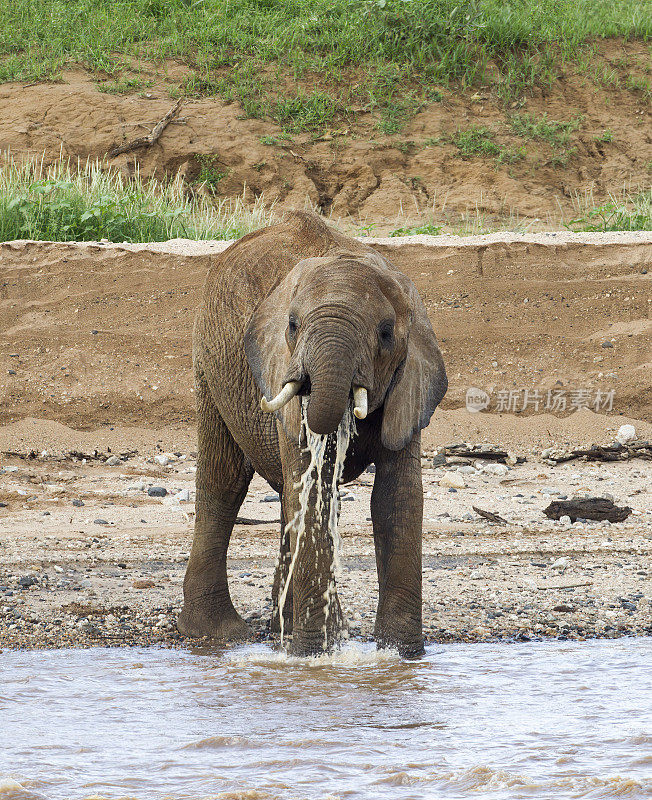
(400, 634)
(229, 626)
(320, 638)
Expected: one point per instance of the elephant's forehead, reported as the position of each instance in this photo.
(323, 279)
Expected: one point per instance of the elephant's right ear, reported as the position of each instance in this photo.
(267, 351)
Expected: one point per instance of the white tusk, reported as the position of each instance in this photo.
(360, 402)
(284, 396)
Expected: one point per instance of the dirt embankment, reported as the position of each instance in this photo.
(97, 337)
(354, 170)
(94, 334)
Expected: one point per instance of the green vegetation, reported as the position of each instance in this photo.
(88, 202)
(210, 174)
(548, 130)
(628, 213)
(303, 62)
(428, 229)
(122, 86)
(476, 141)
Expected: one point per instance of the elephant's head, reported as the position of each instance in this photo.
(340, 324)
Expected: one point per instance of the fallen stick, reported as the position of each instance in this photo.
(490, 515)
(151, 138)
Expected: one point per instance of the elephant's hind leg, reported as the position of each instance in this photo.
(223, 477)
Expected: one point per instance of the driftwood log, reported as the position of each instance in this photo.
(482, 454)
(151, 138)
(596, 508)
(610, 452)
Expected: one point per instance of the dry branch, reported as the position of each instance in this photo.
(490, 515)
(151, 138)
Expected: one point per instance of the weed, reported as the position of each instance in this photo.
(405, 147)
(628, 213)
(561, 159)
(123, 86)
(428, 229)
(209, 175)
(92, 201)
(476, 141)
(510, 155)
(547, 130)
(605, 136)
(304, 112)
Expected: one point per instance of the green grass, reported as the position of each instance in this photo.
(210, 173)
(544, 129)
(428, 229)
(626, 213)
(281, 58)
(64, 202)
(476, 141)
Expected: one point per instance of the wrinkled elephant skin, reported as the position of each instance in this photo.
(300, 306)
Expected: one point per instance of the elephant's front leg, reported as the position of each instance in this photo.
(281, 571)
(316, 614)
(397, 515)
(223, 476)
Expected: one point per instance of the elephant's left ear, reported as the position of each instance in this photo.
(421, 384)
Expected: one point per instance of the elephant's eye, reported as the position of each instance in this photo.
(386, 334)
(293, 325)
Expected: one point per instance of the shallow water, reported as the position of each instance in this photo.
(540, 720)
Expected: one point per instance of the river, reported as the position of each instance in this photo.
(536, 720)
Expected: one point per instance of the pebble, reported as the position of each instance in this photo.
(271, 498)
(467, 470)
(157, 491)
(452, 480)
(495, 469)
(565, 519)
(100, 522)
(626, 434)
(162, 459)
(113, 461)
(78, 503)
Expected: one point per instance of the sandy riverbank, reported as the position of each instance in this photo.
(88, 557)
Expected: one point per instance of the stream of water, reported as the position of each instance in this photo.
(536, 720)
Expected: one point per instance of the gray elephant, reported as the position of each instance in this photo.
(298, 314)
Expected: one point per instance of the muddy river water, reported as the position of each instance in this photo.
(537, 720)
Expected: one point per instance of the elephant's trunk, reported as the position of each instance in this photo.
(329, 396)
(331, 368)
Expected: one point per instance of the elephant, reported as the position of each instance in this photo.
(299, 315)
